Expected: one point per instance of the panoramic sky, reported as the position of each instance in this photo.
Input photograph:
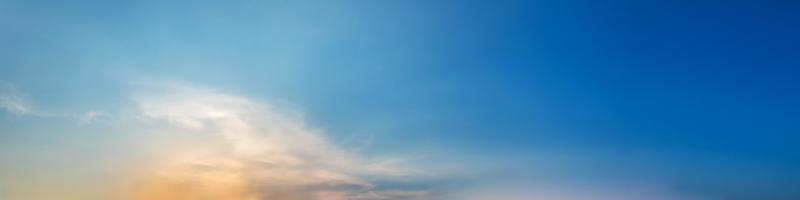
(399, 100)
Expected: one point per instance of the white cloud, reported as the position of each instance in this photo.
(268, 153)
(13, 102)
(91, 116)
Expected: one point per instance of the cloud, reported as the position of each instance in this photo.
(262, 152)
(91, 116)
(555, 191)
(11, 101)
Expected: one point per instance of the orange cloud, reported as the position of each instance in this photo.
(257, 151)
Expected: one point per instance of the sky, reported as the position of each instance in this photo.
(391, 100)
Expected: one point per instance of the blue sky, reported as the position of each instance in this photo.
(485, 100)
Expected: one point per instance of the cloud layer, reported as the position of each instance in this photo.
(260, 152)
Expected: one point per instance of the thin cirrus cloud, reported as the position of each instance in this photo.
(260, 151)
(11, 101)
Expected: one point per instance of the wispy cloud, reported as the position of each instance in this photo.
(268, 152)
(91, 116)
(12, 101)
